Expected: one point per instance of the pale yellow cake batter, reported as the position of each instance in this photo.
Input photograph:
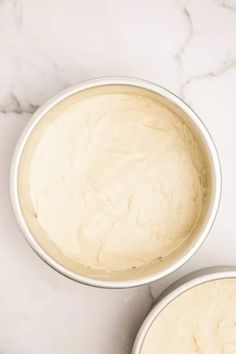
(200, 321)
(115, 181)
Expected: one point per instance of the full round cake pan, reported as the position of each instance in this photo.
(155, 271)
(179, 287)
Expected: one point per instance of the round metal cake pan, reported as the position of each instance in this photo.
(179, 287)
(168, 97)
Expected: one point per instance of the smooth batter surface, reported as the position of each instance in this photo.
(200, 321)
(115, 181)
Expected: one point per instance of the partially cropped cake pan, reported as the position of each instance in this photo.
(115, 182)
(197, 314)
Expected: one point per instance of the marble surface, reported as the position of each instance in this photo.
(45, 46)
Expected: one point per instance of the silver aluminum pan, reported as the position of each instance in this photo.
(168, 97)
(179, 287)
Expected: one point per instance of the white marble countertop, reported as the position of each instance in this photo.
(45, 46)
